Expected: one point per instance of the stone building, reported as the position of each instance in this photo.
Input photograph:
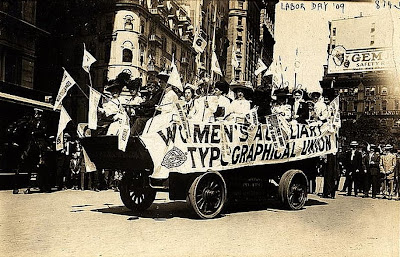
(19, 34)
(361, 69)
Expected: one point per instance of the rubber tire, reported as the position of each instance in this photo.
(285, 185)
(139, 188)
(194, 187)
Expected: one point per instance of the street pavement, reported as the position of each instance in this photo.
(88, 223)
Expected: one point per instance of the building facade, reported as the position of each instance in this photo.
(19, 34)
(361, 69)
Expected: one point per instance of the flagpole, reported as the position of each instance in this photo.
(212, 71)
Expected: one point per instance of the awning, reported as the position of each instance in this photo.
(25, 101)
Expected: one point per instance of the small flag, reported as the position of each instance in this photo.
(88, 59)
(174, 78)
(66, 83)
(235, 61)
(64, 119)
(89, 165)
(199, 43)
(94, 98)
(215, 65)
(260, 67)
(271, 69)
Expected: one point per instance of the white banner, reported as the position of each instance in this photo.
(226, 145)
(260, 67)
(62, 124)
(66, 83)
(94, 98)
(124, 131)
(199, 43)
(174, 78)
(89, 165)
(215, 64)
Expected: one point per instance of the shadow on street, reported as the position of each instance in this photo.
(163, 211)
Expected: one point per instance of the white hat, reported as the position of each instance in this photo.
(353, 143)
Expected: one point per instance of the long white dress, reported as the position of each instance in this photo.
(167, 109)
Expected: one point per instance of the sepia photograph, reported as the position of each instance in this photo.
(199, 128)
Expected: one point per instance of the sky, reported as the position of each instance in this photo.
(306, 29)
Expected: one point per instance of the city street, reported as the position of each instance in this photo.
(87, 223)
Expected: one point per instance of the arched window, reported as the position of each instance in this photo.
(384, 91)
(126, 55)
(128, 23)
(384, 105)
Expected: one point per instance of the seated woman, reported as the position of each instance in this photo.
(188, 95)
(280, 106)
(223, 103)
(166, 107)
(240, 106)
(110, 114)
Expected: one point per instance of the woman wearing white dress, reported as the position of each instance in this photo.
(240, 106)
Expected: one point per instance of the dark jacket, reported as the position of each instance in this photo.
(147, 108)
(352, 165)
(371, 163)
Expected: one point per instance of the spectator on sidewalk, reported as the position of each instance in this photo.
(387, 165)
(353, 165)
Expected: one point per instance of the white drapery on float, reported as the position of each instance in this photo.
(224, 145)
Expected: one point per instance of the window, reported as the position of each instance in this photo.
(373, 27)
(240, 4)
(384, 105)
(107, 49)
(237, 74)
(372, 91)
(240, 21)
(384, 91)
(372, 40)
(142, 26)
(164, 43)
(396, 104)
(12, 67)
(173, 51)
(128, 23)
(334, 32)
(126, 55)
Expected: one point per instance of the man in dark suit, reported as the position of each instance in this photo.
(300, 110)
(372, 167)
(354, 167)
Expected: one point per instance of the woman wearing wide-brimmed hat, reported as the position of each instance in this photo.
(240, 106)
(110, 112)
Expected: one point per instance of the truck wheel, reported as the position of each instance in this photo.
(293, 189)
(207, 195)
(135, 192)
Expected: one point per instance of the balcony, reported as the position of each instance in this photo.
(182, 18)
(155, 39)
(186, 38)
(153, 68)
(185, 60)
(239, 27)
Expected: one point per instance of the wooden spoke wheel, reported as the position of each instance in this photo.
(207, 195)
(135, 191)
(293, 189)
